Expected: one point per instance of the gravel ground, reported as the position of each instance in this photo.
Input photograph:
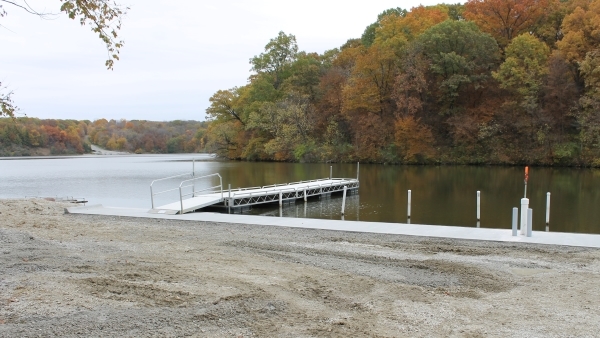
(76, 275)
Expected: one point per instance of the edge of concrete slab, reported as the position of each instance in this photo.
(424, 230)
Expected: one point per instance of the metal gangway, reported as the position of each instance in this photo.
(190, 199)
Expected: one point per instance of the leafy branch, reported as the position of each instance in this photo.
(104, 17)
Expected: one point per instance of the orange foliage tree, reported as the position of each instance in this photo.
(505, 19)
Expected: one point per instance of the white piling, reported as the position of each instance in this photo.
(304, 194)
(547, 211)
(408, 206)
(280, 199)
(344, 200)
(524, 207)
(478, 206)
(515, 220)
(529, 221)
(229, 203)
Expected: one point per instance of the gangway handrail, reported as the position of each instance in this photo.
(194, 192)
(152, 194)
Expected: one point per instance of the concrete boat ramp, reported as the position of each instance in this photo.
(469, 233)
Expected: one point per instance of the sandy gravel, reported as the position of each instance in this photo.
(74, 275)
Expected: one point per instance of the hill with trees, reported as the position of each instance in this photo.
(30, 136)
(487, 82)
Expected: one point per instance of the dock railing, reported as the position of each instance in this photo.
(152, 193)
(194, 192)
(271, 193)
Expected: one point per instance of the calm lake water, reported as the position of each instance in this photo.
(444, 195)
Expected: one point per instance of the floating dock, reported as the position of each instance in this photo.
(191, 200)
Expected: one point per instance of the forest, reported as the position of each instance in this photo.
(487, 82)
(25, 136)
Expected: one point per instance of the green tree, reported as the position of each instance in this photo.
(280, 54)
(460, 55)
(524, 68)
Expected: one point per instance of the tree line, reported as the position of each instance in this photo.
(487, 82)
(31, 136)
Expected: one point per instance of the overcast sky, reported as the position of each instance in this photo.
(176, 53)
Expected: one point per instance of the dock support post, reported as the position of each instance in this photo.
(344, 200)
(357, 170)
(408, 206)
(193, 167)
(280, 199)
(529, 221)
(229, 199)
(330, 172)
(547, 212)
(524, 207)
(515, 220)
(304, 194)
(478, 207)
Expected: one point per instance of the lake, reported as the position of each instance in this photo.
(443, 195)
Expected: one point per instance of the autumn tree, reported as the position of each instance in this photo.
(505, 19)
(581, 32)
(589, 115)
(368, 36)
(396, 31)
(226, 105)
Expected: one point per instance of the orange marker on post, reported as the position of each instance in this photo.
(526, 179)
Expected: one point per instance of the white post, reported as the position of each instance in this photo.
(357, 169)
(478, 206)
(524, 207)
(344, 200)
(330, 172)
(304, 194)
(547, 211)
(229, 199)
(515, 220)
(280, 199)
(408, 207)
(529, 221)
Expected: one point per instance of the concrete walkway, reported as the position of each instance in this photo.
(500, 235)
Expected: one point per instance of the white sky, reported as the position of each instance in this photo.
(176, 53)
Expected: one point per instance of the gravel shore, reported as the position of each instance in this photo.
(77, 275)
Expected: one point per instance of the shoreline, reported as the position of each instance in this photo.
(68, 275)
